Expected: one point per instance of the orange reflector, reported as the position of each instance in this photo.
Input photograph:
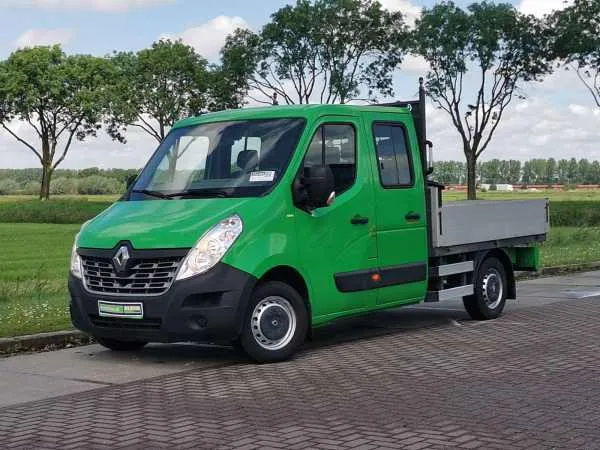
(376, 277)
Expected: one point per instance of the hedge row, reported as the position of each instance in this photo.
(90, 185)
(51, 211)
(575, 214)
(565, 213)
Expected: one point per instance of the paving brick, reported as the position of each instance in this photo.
(530, 379)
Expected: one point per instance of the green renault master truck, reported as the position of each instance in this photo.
(252, 226)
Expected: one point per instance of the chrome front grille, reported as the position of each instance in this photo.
(142, 277)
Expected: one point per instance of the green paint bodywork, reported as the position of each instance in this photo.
(276, 233)
(525, 258)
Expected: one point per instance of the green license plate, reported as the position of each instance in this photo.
(123, 310)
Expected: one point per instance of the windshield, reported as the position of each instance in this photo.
(222, 159)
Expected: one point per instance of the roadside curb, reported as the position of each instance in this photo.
(43, 342)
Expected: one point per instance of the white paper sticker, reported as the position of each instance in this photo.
(265, 175)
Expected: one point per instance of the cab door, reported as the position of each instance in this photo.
(400, 208)
(337, 243)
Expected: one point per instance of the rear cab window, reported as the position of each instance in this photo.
(393, 155)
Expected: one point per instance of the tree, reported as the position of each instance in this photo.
(563, 171)
(156, 87)
(584, 171)
(550, 175)
(576, 42)
(595, 173)
(514, 171)
(572, 171)
(538, 167)
(59, 98)
(491, 43)
(528, 173)
(330, 51)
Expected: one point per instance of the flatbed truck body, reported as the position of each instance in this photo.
(253, 226)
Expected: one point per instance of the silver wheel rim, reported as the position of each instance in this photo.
(273, 323)
(493, 288)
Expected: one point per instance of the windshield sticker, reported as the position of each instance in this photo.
(265, 175)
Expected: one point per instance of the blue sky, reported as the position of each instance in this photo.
(557, 119)
(99, 31)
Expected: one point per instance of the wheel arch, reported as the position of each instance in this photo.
(291, 276)
(506, 261)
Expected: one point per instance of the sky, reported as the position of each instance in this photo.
(557, 118)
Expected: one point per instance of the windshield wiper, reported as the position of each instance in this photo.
(195, 193)
(156, 194)
(199, 193)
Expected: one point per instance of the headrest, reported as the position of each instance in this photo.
(247, 159)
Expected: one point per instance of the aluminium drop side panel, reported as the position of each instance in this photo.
(470, 222)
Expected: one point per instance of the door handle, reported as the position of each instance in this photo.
(413, 216)
(359, 220)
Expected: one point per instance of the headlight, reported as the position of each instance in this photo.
(75, 260)
(76, 265)
(211, 247)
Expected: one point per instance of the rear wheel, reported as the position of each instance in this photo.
(120, 346)
(490, 288)
(275, 323)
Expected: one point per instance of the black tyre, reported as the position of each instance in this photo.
(275, 323)
(120, 346)
(491, 288)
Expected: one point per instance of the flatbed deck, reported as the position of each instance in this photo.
(474, 223)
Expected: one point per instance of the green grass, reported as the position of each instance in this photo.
(553, 195)
(33, 277)
(571, 245)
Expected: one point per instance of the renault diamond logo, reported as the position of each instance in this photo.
(121, 258)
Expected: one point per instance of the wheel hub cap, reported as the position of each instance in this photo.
(492, 288)
(273, 323)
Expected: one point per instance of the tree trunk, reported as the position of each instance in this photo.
(471, 178)
(46, 168)
(46, 177)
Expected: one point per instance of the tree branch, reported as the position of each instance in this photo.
(29, 146)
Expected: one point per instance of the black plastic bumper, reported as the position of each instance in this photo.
(208, 307)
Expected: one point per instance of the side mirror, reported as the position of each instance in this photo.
(130, 180)
(319, 186)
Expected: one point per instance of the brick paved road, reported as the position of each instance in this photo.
(528, 380)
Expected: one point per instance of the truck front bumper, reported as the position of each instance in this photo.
(205, 308)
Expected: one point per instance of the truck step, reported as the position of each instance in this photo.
(447, 294)
(451, 269)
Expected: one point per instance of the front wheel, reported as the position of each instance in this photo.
(119, 346)
(275, 323)
(491, 288)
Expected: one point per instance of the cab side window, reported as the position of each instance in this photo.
(393, 157)
(334, 145)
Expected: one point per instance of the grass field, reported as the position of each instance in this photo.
(553, 195)
(33, 273)
(35, 262)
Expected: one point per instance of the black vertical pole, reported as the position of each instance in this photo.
(422, 124)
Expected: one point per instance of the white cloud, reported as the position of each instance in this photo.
(529, 129)
(411, 12)
(35, 37)
(100, 152)
(540, 7)
(209, 37)
(412, 63)
(96, 5)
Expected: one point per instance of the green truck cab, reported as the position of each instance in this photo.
(252, 226)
